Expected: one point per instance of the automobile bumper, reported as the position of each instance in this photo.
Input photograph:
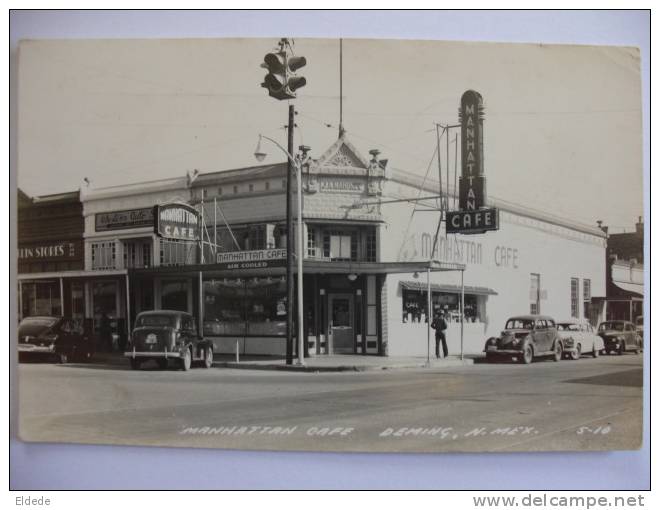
(43, 349)
(493, 349)
(152, 354)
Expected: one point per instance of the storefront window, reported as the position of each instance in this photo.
(174, 295)
(415, 306)
(41, 298)
(245, 307)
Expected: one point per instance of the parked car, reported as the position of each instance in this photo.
(525, 338)
(619, 337)
(639, 327)
(579, 337)
(164, 335)
(61, 338)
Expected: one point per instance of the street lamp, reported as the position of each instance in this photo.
(260, 155)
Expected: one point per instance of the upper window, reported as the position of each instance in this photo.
(220, 190)
(235, 189)
(251, 187)
(267, 185)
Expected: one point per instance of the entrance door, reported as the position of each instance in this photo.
(341, 332)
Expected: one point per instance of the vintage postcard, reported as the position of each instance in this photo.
(330, 245)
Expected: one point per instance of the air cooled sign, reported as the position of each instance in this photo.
(472, 218)
(177, 221)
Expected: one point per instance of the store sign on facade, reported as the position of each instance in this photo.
(177, 221)
(50, 251)
(472, 218)
(253, 259)
(120, 220)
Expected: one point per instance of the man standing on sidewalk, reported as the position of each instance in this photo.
(440, 325)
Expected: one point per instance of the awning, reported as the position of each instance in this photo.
(451, 289)
(309, 267)
(634, 288)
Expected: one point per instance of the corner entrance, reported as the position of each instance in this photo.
(341, 330)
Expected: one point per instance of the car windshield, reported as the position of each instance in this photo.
(519, 324)
(156, 320)
(566, 326)
(616, 326)
(36, 325)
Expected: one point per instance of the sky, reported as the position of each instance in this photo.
(562, 129)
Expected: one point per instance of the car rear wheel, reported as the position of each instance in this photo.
(135, 364)
(576, 353)
(63, 358)
(208, 358)
(558, 351)
(186, 361)
(527, 354)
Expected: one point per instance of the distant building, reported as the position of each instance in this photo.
(625, 274)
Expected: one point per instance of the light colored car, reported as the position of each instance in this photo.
(579, 338)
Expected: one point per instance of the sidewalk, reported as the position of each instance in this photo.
(335, 363)
(339, 363)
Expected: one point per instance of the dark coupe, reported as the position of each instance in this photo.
(525, 338)
(619, 337)
(61, 338)
(164, 335)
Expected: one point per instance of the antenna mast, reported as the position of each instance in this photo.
(341, 88)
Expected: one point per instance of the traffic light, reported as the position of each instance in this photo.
(281, 80)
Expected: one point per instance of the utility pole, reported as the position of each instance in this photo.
(289, 243)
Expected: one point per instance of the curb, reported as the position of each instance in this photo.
(334, 368)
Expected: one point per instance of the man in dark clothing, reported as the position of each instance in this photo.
(105, 331)
(440, 325)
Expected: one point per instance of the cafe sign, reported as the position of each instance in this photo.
(253, 259)
(177, 221)
(472, 217)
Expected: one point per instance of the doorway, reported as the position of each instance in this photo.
(341, 330)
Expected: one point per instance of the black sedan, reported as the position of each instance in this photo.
(619, 337)
(59, 338)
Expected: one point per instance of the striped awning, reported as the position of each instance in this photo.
(450, 289)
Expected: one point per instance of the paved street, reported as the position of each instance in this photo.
(592, 404)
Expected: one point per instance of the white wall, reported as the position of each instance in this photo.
(556, 252)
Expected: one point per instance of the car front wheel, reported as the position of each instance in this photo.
(576, 353)
(595, 353)
(622, 348)
(558, 352)
(186, 361)
(527, 354)
(208, 358)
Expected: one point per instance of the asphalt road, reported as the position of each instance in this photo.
(590, 404)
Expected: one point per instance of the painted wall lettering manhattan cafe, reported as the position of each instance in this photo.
(215, 246)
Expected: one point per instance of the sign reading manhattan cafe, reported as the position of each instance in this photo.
(252, 259)
(177, 221)
(473, 217)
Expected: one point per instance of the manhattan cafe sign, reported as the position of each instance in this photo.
(177, 221)
(472, 217)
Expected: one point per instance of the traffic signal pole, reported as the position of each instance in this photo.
(289, 243)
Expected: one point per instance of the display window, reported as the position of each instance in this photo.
(245, 307)
(415, 306)
(174, 295)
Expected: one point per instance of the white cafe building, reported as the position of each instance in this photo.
(365, 259)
